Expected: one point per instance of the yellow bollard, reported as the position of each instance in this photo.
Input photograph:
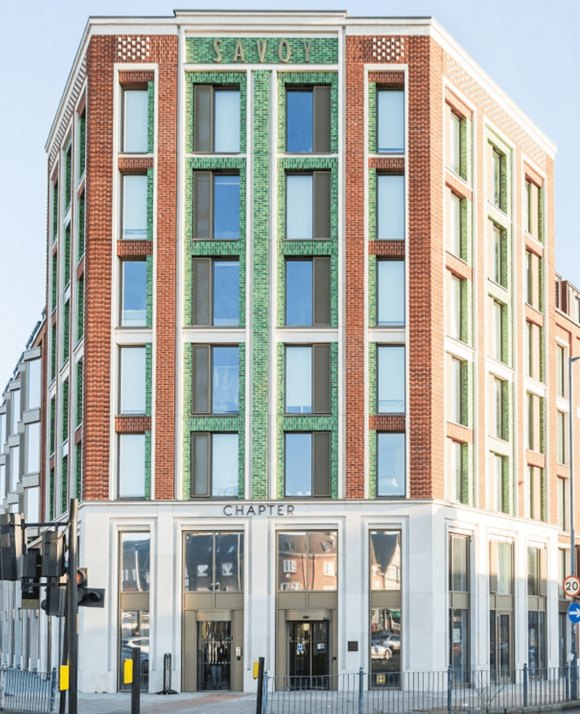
(127, 671)
(63, 678)
(255, 669)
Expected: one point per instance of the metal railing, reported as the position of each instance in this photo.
(399, 692)
(26, 691)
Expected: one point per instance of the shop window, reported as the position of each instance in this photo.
(214, 562)
(307, 561)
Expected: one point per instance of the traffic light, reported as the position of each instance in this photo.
(55, 601)
(31, 565)
(88, 597)
(10, 545)
(52, 554)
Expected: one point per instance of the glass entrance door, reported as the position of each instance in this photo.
(308, 655)
(500, 643)
(213, 655)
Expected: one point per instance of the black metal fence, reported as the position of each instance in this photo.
(400, 692)
(27, 692)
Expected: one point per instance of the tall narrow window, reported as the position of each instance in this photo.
(498, 239)
(390, 293)
(214, 465)
(459, 587)
(216, 119)
(455, 226)
(135, 121)
(532, 209)
(562, 437)
(132, 392)
(498, 178)
(390, 120)
(454, 161)
(390, 207)
(457, 411)
(391, 379)
(215, 379)
(501, 418)
(499, 335)
(308, 119)
(561, 365)
(134, 207)
(391, 464)
(134, 293)
(131, 465)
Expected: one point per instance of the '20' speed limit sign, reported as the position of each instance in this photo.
(572, 586)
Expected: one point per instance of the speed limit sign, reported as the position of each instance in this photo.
(572, 586)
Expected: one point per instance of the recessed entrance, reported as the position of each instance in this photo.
(308, 655)
(213, 655)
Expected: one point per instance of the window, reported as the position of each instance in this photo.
(32, 448)
(134, 293)
(307, 464)
(14, 411)
(458, 563)
(498, 187)
(499, 336)
(455, 226)
(457, 308)
(216, 119)
(562, 364)
(532, 208)
(308, 206)
(132, 392)
(390, 293)
(135, 562)
(216, 292)
(307, 387)
(131, 465)
(390, 207)
(308, 120)
(458, 466)
(134, 207)
(307, 561)
(501, 483)
(214, 465)
(535, 419)
(562, 436)
(534, 351)
(33, 377)
(536, 493)
(135, 121)
(501, 568)
(308, 292)
(385, 560)
(390, 120)
(3, 434)
(14, 457)
(390, 464)
(458, 396)
(537, 590)
(563, 491)
(500, 414)
(216, 206)
(455, 158)
(391, 379)
(499, 272)
(214, 562)
(215, 379)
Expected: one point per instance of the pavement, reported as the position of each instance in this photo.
(195, 702)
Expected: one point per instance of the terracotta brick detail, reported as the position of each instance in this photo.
(395, 80)
(388, 165)
(387, 248)
(132, 424)
(384, 422)
(134, 248)
(134, 164)
(136, 79)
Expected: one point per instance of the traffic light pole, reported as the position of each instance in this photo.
(72, 605)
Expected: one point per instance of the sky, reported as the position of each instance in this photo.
(529, 47)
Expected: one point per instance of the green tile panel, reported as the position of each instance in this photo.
(65, 410)
(79, 400)
(78, 470)
(82, 129)
(149, 296)
(80, 310)
(372, 127)
(261, 50)
(150, 198)
(81, 227)
(148, 378)
(150, 117)
(66, 335)
(148, 442)
(64, 484)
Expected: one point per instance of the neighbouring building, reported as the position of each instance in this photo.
(305, 363)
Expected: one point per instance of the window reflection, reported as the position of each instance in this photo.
(135, 633)
(135, 555)
(385, 559)
(385, 647)
(214, 562)
(307, 560)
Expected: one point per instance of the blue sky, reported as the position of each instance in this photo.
(529, 47)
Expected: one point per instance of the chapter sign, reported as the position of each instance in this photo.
(259, 509)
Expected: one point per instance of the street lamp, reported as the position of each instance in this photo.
(574, 677)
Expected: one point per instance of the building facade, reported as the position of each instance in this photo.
(304, 356)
